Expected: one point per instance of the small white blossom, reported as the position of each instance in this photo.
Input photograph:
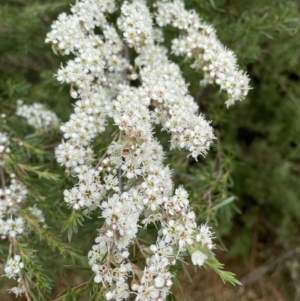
(14, 226)
(38, 213)
(205, 236)
(198, 258)
(13, 267)
(18, 291)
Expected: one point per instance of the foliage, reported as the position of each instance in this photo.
(247, 183)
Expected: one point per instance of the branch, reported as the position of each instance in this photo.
(120, 180)
(75, 288)
(259, 272)
(25, 288)
(2, 178)
(23, 281)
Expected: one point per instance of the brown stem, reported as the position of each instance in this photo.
(2, 178)
(120, 180)
(25, 288)
(259, 272)
(141, 247)
(51, 145)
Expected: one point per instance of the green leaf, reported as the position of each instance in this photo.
(224, 203)
(71, 225)
(216, 266)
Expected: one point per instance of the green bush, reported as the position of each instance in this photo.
(246, 186)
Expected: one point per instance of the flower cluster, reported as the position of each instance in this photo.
(10, 197)
(12, 224)
(37, 116)
(85, 73)
(12, 270)
(199, 41)
(174, 108)
(129, 185)
(136, 23)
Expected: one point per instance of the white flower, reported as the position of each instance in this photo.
(94, 255)
(198, 258)
(14, 226)
(205, 237)
(145, 293)
(38, 213)
(18, 192)
(111, 183)
(121, 292)
(13, 267)
(162, 249)
(102, 273)
(18, 291)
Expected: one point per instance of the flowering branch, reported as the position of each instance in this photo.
(130, 187)
(14, 218)
(24, 284)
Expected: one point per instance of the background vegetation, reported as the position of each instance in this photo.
(247, 188)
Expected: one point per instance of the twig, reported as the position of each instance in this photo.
(75, 288)
(120, 180)
(139, 246)
(25, 288)
(51, 145)
(259, 272)
(13, 242)
(2, 178)
(268, 225)
(275, 291)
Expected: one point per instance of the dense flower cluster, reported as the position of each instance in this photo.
(199, 41)
(136, 23)
(12, 270)
(37, 116)
(12, 224)
(130, 185)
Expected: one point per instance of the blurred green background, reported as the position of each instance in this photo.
(248, 186)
